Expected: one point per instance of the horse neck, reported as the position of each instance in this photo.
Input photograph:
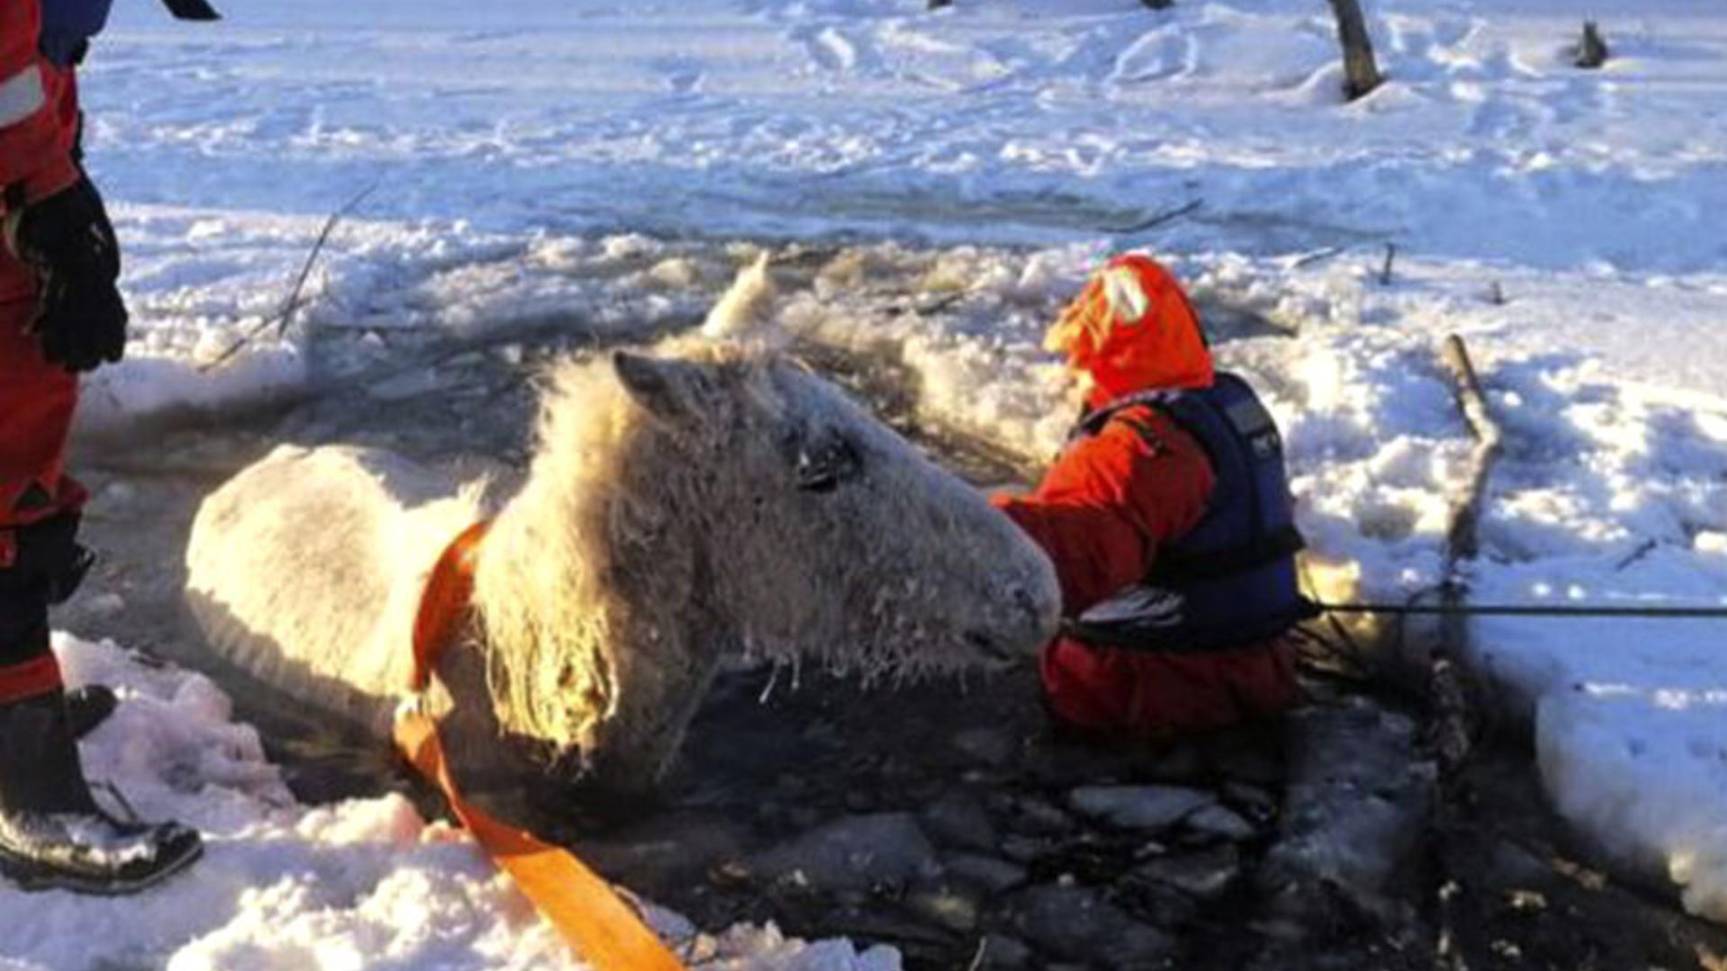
(587, 612)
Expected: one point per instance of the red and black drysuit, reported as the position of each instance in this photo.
(39, 503)
(60, 314)
(1132, 488)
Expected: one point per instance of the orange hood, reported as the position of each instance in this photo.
(1131, 329)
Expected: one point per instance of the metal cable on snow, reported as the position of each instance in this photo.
(1526, 610)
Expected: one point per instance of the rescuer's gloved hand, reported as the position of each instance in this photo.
(67, 239)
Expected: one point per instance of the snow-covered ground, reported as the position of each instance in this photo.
(1565, 222)
(360, 884)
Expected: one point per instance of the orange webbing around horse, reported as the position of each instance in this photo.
(605, 932)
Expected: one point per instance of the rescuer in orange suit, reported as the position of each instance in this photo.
(60, 314)
(1170, 523)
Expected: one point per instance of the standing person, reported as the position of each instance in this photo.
(60, 315)
(1170, 523)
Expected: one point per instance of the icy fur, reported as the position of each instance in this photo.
(660, 529)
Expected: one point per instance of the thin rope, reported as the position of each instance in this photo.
(1527, 610)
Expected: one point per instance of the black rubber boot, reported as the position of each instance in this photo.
(53, 834)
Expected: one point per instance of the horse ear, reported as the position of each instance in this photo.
(662, 387)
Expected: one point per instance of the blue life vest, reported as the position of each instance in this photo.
(68, 25)
(1231, 580)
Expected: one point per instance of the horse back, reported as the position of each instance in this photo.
(304, 571)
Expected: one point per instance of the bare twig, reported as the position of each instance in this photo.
(940, 304)
(283, 317)
(1319, 255)
(979, 955)
(1390, 258)
(804, 257)
(1158, 219)
(768, 689)
(1643, 549)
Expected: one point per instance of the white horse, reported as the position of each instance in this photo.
(714, 499)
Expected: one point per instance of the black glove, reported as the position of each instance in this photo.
(47, 560)
(67, 239)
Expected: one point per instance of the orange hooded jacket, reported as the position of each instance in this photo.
(1112, 500)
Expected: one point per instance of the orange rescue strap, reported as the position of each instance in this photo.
(605, 931)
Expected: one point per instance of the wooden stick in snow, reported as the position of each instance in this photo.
(1463, 541)
(1453, 717)
(1454, 721)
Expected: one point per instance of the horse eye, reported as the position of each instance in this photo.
(822, 468)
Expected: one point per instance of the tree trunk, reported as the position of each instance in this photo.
(1361, 74)
(1591, 49)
